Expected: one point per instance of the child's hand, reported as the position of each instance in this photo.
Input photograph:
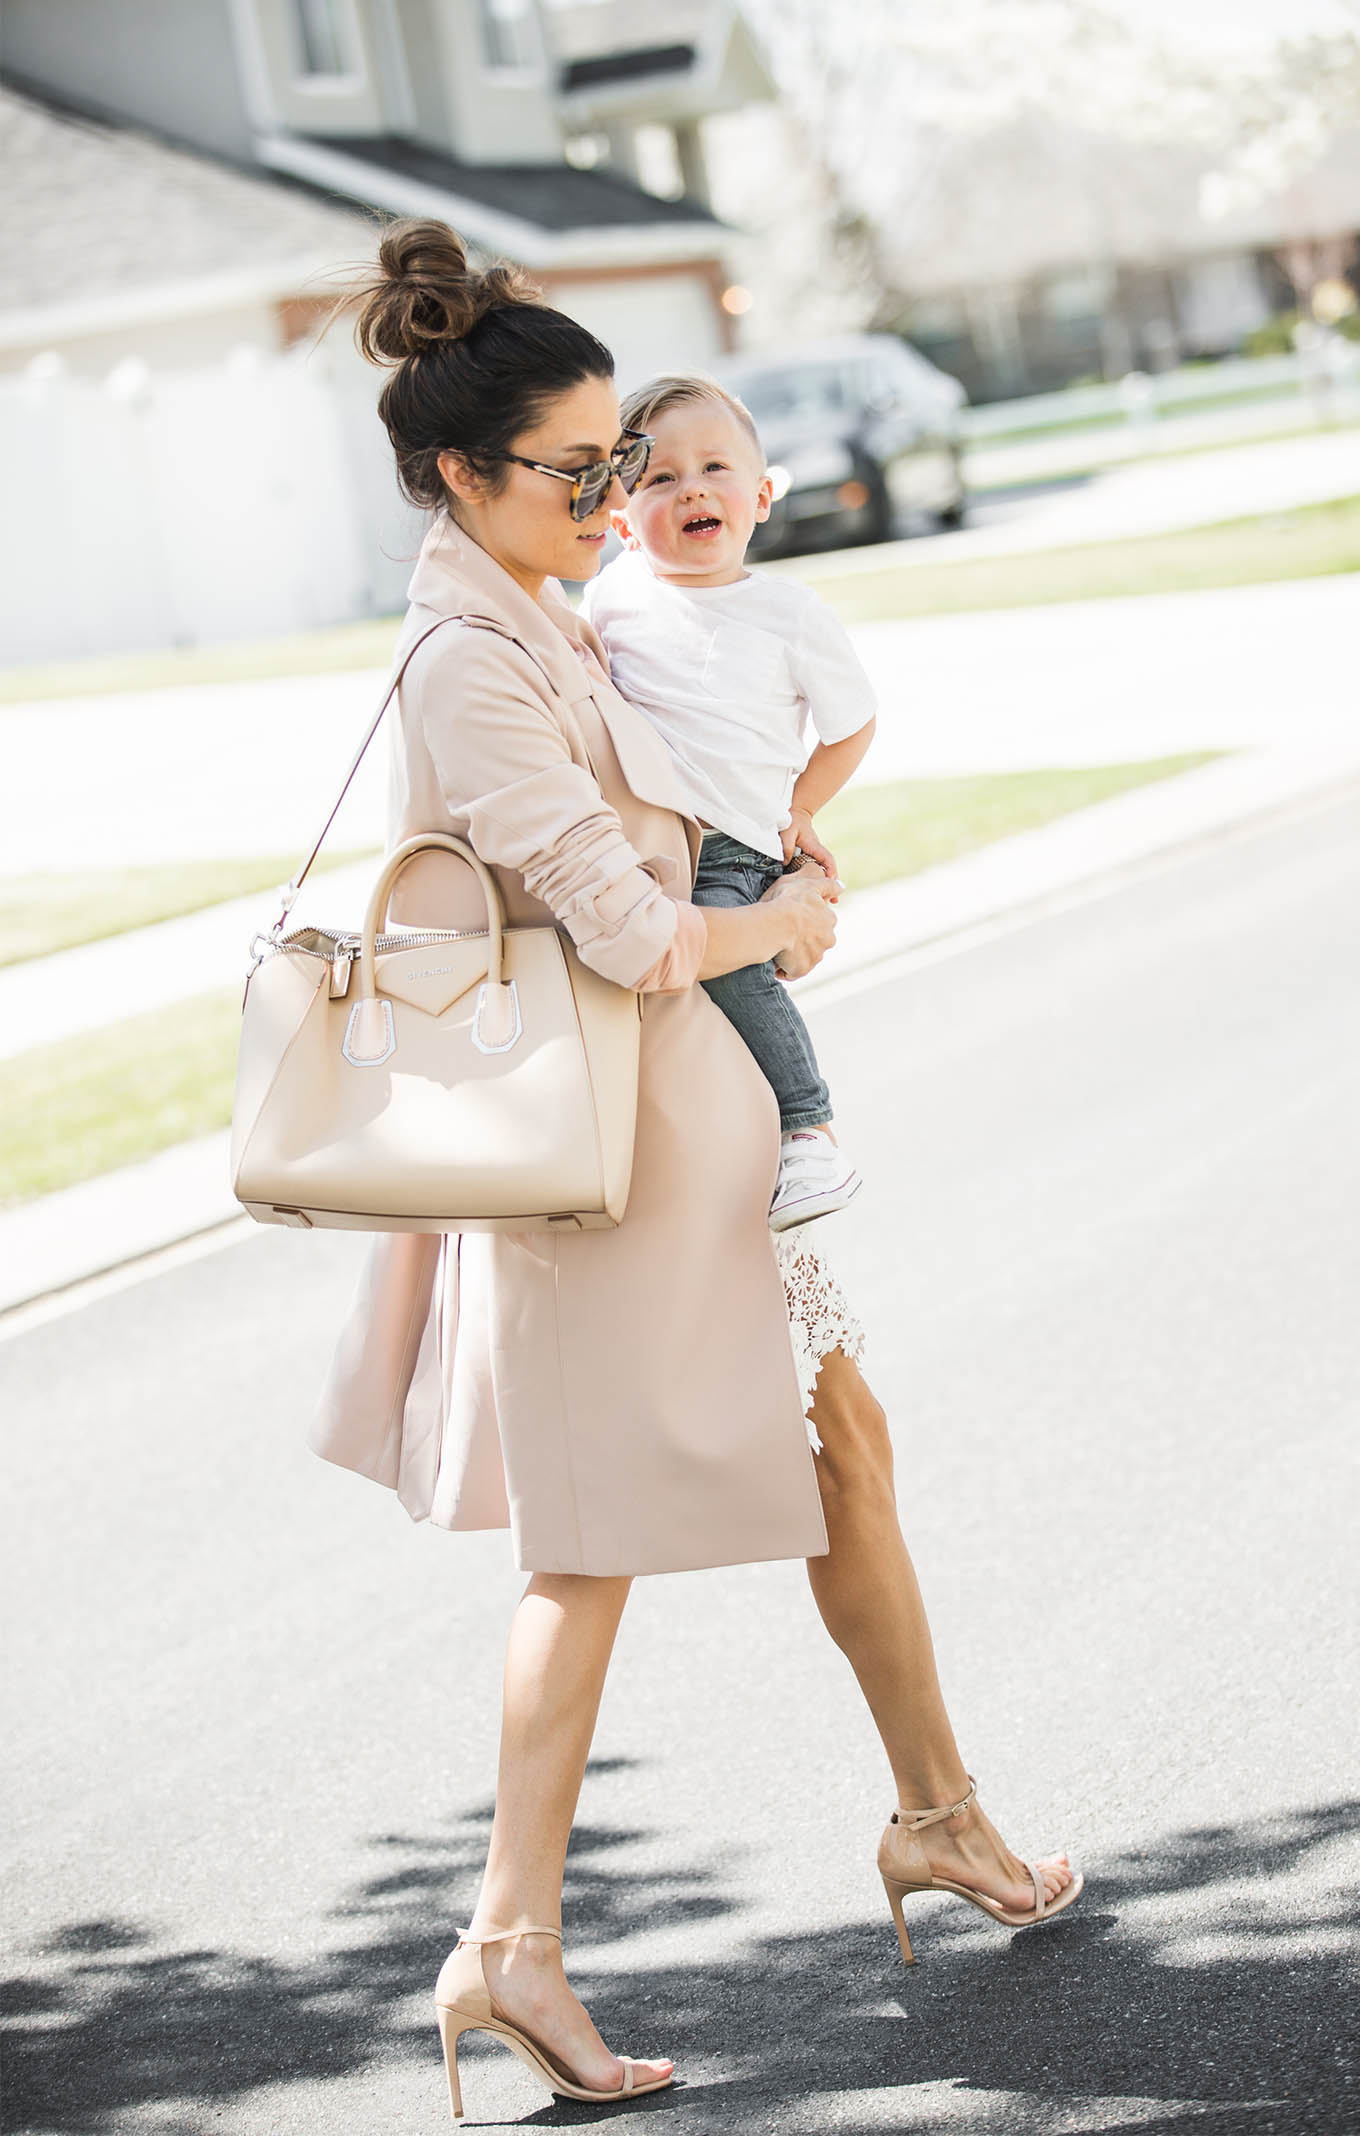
(800, 837)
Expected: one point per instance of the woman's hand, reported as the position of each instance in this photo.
(793, 924)
(805, 901)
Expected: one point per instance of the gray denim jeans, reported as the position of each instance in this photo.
(754, 1002)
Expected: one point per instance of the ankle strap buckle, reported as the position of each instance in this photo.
(917, 1820)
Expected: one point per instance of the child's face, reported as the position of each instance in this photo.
(698, 503)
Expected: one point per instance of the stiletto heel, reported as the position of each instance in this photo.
(896, 1893)
(449, 2029)
(462, 2003)
(905, 1870)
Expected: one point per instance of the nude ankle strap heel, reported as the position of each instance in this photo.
(905, 1869)
(462, 2002)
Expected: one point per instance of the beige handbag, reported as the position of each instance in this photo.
(432, 1080)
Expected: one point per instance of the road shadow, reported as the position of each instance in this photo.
(1236, 2021)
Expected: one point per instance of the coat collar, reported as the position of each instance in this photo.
(454, 576)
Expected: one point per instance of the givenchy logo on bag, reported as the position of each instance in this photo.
(432, 971)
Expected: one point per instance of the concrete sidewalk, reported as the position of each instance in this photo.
(64, 1238)
(1113, 681)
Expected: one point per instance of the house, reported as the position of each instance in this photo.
(516, 121)
(1114, 254)
(189, 186)
(115, 244)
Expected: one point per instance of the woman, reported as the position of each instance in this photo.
(626, 1401)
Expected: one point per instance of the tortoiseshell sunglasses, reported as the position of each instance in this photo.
(591, 485)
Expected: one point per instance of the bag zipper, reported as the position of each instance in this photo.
(349, 944)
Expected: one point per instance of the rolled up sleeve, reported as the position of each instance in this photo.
(678, 967)
(504, 766)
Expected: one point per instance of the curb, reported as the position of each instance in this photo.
(55, 1246)
(61, 1240)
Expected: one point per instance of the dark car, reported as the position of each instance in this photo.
(861, 435)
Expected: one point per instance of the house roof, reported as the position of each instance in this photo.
(105, 224)
(552, 196)
(96, 211)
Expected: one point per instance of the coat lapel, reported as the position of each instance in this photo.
(643, 757)
(454, 577)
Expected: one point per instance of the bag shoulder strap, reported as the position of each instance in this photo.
(291, 888)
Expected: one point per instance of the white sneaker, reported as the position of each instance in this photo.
(814, 1178)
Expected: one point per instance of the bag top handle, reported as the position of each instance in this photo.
(375, 917)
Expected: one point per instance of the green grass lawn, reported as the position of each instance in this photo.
(1315, 541)
(43, 913)
(84, 1106)
(79, 1108)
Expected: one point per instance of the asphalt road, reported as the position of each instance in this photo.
(1108, 1258)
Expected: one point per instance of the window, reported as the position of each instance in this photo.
(1075, 298)
(320, 35)
(508, 37)
(802, 393)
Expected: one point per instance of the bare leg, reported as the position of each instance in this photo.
(866, 1591)
(560, 1642)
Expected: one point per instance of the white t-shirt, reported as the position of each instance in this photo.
(729, 676)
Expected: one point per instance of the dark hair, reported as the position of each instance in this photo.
(478, 356)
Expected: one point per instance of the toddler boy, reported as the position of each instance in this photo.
(728, 665)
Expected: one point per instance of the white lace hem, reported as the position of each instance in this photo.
(821, 1318)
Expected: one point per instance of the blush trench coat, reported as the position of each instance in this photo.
(626, 1400)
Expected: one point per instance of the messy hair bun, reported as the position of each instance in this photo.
(425, 292)
(478, 356)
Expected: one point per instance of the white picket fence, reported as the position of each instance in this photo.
(251, 499)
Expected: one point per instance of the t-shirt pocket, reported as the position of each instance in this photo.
(745, 664)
